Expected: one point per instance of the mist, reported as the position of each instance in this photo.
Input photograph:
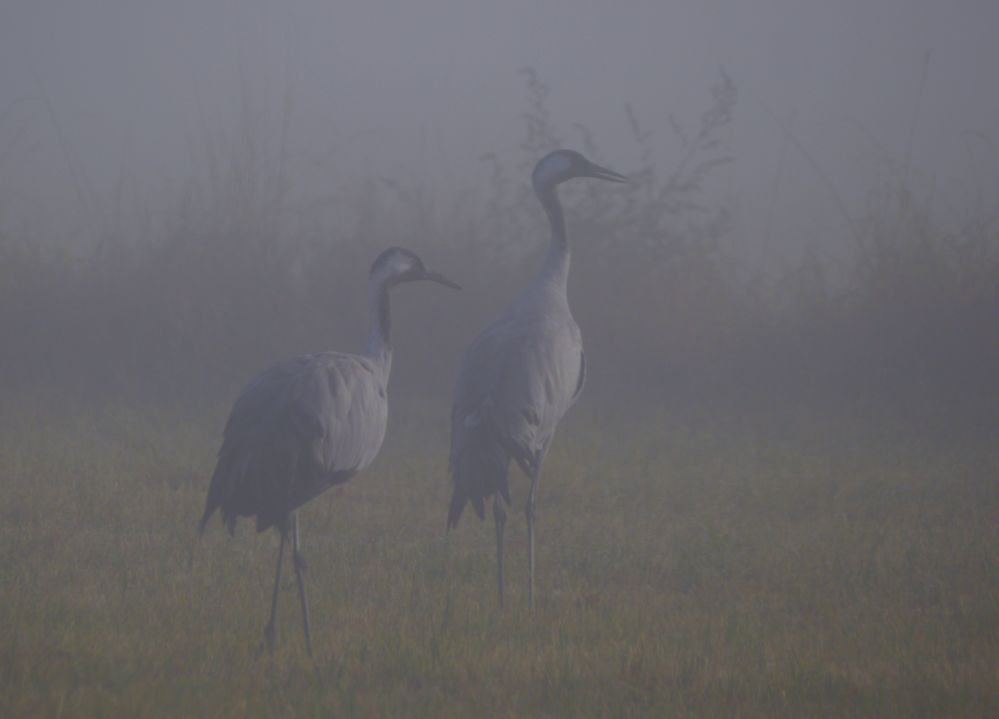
(122, 121)
(776, 495)
(97, 96)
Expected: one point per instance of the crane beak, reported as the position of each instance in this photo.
(602, 173)
(441, 280)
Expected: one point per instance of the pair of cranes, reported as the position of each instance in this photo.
(313, 422)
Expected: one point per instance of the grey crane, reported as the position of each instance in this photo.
(520, 375)
(307, 424)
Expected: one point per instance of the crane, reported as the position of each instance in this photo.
(520, 375)
(307, 424)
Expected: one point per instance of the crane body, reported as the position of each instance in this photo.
(520, 376)
(307, 424)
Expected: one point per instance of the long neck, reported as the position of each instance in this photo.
(379, 337)
(556, 266)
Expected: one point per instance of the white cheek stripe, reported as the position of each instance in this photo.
(394, 267)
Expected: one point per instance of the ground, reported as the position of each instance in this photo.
(804, 563)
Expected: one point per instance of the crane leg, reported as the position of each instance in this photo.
(530, 511)
(299, 562)
(499, 515)
(270, 629)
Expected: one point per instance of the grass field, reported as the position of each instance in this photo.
(794, 565)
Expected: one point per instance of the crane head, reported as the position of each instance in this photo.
(561, 165)
(397, 264)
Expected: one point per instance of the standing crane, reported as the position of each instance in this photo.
(307, 424)
(520, 375)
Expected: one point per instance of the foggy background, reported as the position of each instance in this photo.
(777, 496)
(189, 191)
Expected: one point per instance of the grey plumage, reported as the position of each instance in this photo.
(520, 375)
(307, 424)
(297, 429)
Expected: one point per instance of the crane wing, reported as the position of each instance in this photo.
(296, 429)
(517, 379)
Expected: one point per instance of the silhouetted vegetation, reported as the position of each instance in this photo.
(240, 273)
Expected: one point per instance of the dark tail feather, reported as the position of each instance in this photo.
(478, 472)
(219, 488)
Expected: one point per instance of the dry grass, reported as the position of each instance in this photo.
(796, 566)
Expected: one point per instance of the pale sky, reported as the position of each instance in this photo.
(99, 96)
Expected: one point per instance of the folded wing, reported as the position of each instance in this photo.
(297, 429)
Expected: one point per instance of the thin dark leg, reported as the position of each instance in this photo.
(530, 511)
(499, 515)
(270, 629)
(296, 554)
